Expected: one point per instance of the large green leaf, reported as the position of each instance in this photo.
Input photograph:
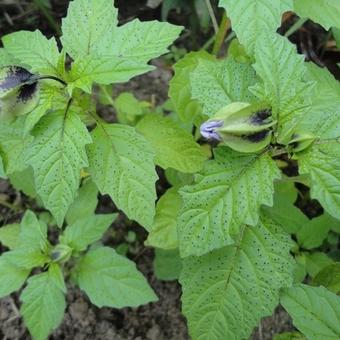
(187, 108)
(323, 12)
(249, 18)
(315, 311)
(86, 231)
(175, 148)
(225, 195)
(216, 84)
(163, 233)
(57, 156)
(229, 290)
(322, 163)
(112, 280)
(281, 70)
(323, 117)
(167, 264)
(5, 58)
(121, 165)
(9, 235)
(34, 50)
(43, 305)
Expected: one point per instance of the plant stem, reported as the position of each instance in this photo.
(221, 34)
(52, 78)
(212, 15)
(9, 205)
(295, 27)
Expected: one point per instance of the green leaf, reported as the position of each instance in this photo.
(5, 58)
(85, 203)
(86, 231)
(323, 117)
(277, 63)
(34, 50)
(249, 18)
(226, 194)
(89, 25)
(167, 264)
(43, 305)
(236, 285)
(323, 12)
(175, 148)
(187, 108)
(317, 261)
(329, 277)
(24, 181)
(289, 336)
(315, 231)
(112, 280)
(336, 35)
(9, 235)
(2, 169)
(104, 70)
(216, 84)
(315, 311)
(163, 233)
(284, 212)
(12, 276)
(322, 163)
(13, 144)
(57, 156)
(121, 165)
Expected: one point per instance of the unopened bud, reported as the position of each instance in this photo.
(301, 141)
(61, 253)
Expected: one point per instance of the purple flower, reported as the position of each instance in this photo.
(208, 129)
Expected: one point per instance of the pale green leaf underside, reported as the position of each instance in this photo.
(228, 291)
(175, 148)
(9, 235)
(323, 12)
(323, 117)
(43, 305)
(216, 84)
(249, 18)
(315, 311)
(322, 163)
(57, 156)
(86, 231)
(34, 50)
(112, 280)
(225, 195)
(188, 109)
(163, 233)
(121, 165)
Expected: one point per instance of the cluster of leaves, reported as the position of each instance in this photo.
(225, 225)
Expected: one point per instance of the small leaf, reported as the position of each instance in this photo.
(43, 305)
(9, 235)
(86, 231)
(175, 148)
(112, 280)
(167, 264)
(329, 277)
(315, 311)
(317, 261)
(121, 165)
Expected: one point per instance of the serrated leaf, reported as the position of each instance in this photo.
(163, 233)
(315, 311)
(13, 144)
(226, 194)
(104, 70)
(9, 235)
(43, 305)
(34, 50)
(86, 231)
(175, 148)
(24, 181)
(57, 156)
(323, 117)
(277, 63)
(236, 285)
(187, 108)
(167, 264)
(85, 203)
(216, 84)
(322, 163)
(5, 58)
(112, 280)
(323, 12)
(12, 276)
(249, 18)
(121, 165)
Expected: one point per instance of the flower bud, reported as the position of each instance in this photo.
(241, 126)
(19, 92)
(61, 253)
(301, 141)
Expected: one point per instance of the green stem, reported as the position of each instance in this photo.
(212, 15)
(221, 34)
(9, 205)
(107, 95)
(51, 78)
(296, 27)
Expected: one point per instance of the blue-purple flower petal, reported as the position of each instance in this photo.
(208, 129)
